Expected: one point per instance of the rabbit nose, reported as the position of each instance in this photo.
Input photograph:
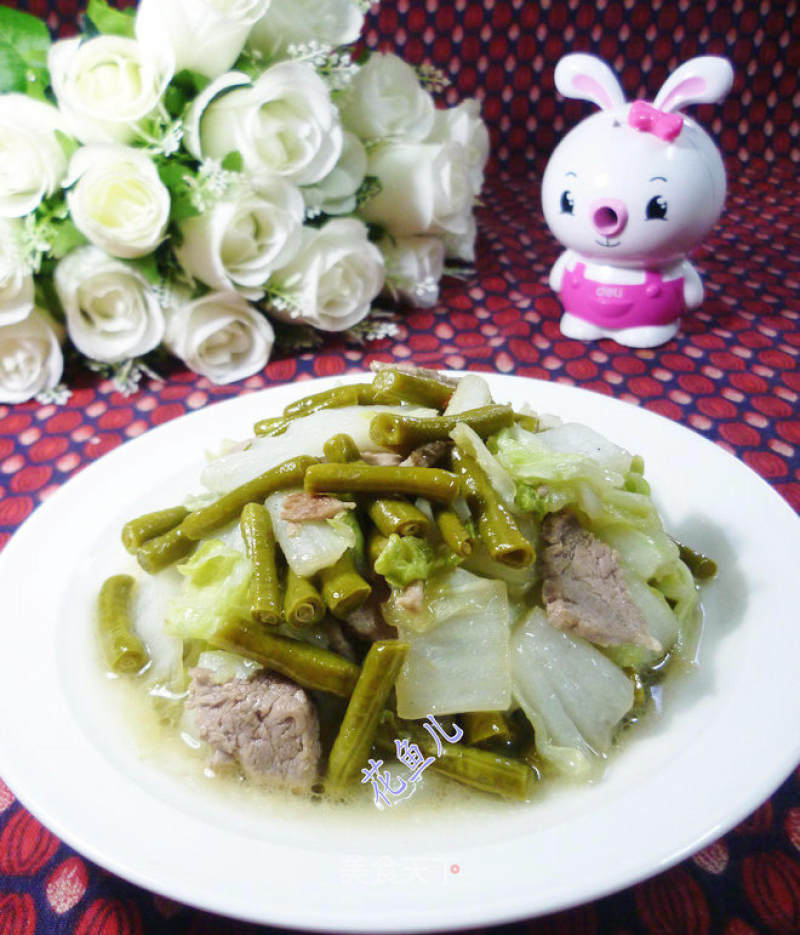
(609, 216)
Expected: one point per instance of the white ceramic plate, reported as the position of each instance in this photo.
(728, 738)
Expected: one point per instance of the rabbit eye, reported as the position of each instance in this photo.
(657, 209)
(567, 202)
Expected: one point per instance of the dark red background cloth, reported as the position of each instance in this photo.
(730, 374)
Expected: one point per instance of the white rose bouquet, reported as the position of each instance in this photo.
(202, 178)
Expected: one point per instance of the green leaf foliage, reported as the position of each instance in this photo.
(68, 143)
(106, 19)
(66, 237)
(174, 176)
(148, 267)
(233, 162)
(13, 70)
(190, 82)
(27, 35)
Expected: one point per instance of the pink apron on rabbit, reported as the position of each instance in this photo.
(656, 301)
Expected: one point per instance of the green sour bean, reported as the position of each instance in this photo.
(355, 394)
(259, 543)
(305, 664)
(204, 521)
(527, 422)
(399, 386)
(483, 726)
(376, 543)
(497, 527)
(302, 604)
(122, 649)
(454, 533)
(269, 428)
(357, 732)
(144, 528)
(156, 554)
(430, 483)
(392, 516)
(406, 432)
(342, 587)
(480, 769)
(701, 566)
(341, 449)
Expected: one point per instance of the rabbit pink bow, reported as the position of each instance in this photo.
(643, 116)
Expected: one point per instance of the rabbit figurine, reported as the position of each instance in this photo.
(630, 191)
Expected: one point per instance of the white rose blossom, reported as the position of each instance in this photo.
(220, 336)
(32, 162)
(385, 101)
(30, 357)
(462, 246)
(463, 124)
(425, 188)
(283, 124)
(414, 266)
(108, 85)
(111, 311)
(205, 36)
(333, 278)
(16, 280)
(118, 201)
(299, 22)
(336, 193)
(238, 243)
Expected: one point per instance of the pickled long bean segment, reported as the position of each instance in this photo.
(497, 527)
(302, 604)
(122, 649)
(309, 666)
(400, 386)
(480, 769)
(259, 543)
(341, 449)
(482, 726)
(430, 483)
(271, 427)
(157, 554)
(376, 543)
(487, 771)
(343, 589)
(202, 522)
(525, 421)
(392, 516)
(151, 525)
(356, 394)
(406, 432)
(357, 731)
(701, 566)
(454, 532)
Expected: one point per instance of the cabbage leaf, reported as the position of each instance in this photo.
(570, 692)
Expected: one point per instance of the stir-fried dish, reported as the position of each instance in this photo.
(401, 575)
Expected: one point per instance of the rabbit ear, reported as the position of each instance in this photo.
(702, 80)
(589, 79)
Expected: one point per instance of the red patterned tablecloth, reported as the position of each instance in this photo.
(731, 374)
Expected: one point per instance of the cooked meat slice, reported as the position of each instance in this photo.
(301, 507)
(583, 587)
(337, 641)
(266, 723)
(377, 365)
(428, 455)
(368, 623)
(411, 597)
(383, 458)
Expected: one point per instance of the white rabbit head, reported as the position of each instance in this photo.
(636, 184)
